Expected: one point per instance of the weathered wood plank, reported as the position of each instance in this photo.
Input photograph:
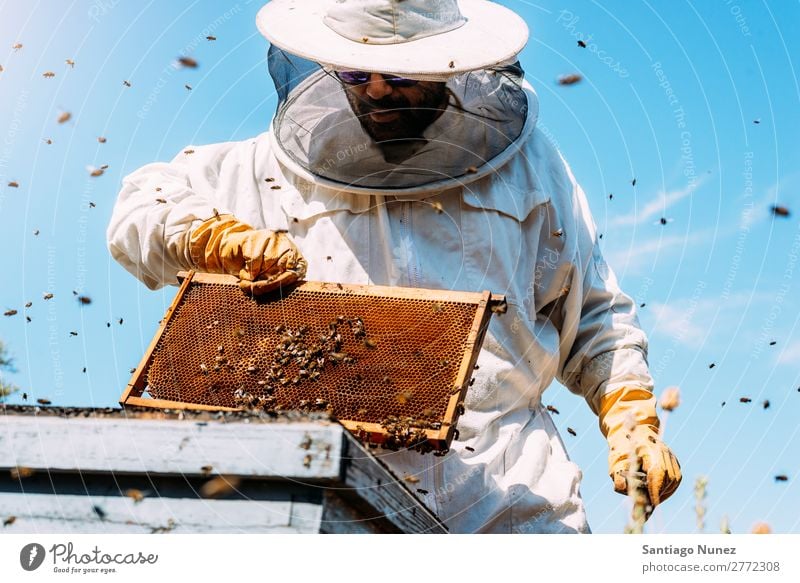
(152, 513)
(277, 450)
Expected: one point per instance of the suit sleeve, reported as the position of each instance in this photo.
(156, 210)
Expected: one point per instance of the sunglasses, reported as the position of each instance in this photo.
(361, 77)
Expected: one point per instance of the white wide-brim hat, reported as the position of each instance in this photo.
(423, 39)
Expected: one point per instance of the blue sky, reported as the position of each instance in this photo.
(671, 94)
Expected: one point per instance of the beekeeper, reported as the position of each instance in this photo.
(405, 152)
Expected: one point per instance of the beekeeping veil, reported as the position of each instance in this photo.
(470, 46)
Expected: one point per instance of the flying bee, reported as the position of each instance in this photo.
(47, 296)
(16, 47)
(20, 472)
(187, 152)
(780, 211)
(161, 201)
(70, 62)
(278, 187)
(101, 139)
(411, 479)
(581, 44)
(187, 62)
(43, 401)
(10, 313)
(206, 470)
(120, 321)
(423, 492)
(135, 495)
(712, 365)
(499, 307)
(468, 448)
(557, 233)
(28, 304)
(9, 521)
(48, 74)
(307, 460)
(765, 404)
(781, 478)
(472, 170)
(84, 300)
(437, 206)
(47, 141)
(572, 432)
(553, 410)
(73, 333)
(633, 182)
(219, 486)
(216, 213)
(64, 117)
(745, 400)
(663, 221)
(126, 83)
(188, 87)
(211, 37)
(13, 184)
(95, 172)
(570, 79)
(773, 343)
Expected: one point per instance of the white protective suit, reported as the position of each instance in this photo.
(520, 226)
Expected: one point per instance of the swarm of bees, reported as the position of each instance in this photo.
(409, 432)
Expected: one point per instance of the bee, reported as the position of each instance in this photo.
(557, 233)
(188, 87)
(64, 117)
(24, 396)
(187, 62)
(211, 37)
(765, 404)
(423, 492)
(95, 172)
(468, 448)
(438, 308)
(571, 431)
(101, 139)
(451, 64)
(84, 300)
(437, 206)
(10, 313)
(187, 152)
(411, 479)
(20, 473)
(780, 211)
(158, 189)
(126, 83)
(16, 47)
(203, 368)
(28, 318)
(13, 184)
(269, 180)
(120, 321)
(553, 410)
(499, 307)
(642, 305)
(565, 290)
(48, 74)
(581, 44)
(460, 409)
(472, 170)
(663, 221)
(206, 470)
(216, 214)
(773, 343)
(404, 397)
(84, 370)
(161, 201)
(133, 370)
(712, 365)
(73, 333)
(47, 141)
(9, 521)
(70, 62)
(443, 363)
(307, 460)
(745, 399)
(134, 494)
(101, 514)
(219, 486)
(47, 296)
(633, 182)
(757, 121)
(611, 196)
(570, 79)
(370, 343)
(781, 478)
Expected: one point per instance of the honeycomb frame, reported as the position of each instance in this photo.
(411, 356)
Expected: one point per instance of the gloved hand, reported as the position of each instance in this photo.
(263, 260)
(629, 422)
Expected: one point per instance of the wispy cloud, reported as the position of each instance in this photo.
(790, 354)
(656, 207)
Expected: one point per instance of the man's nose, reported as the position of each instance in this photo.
(377, 87)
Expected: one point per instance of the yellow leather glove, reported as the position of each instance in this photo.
(629, 422)
(263, 260)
